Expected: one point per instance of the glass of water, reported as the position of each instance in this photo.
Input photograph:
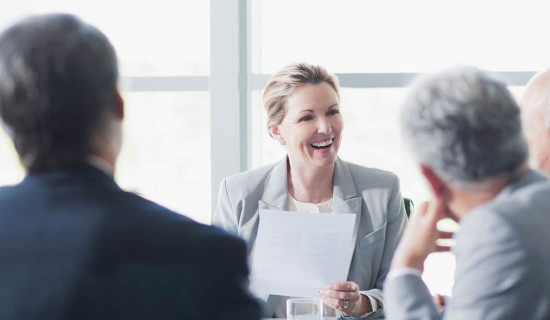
(304, 309)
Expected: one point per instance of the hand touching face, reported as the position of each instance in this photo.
(419, 240)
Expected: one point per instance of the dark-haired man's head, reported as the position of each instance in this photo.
(59, 100)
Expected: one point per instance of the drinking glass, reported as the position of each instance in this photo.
(304, 309)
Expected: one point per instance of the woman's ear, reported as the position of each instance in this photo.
(275, 133)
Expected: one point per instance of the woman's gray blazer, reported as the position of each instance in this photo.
(372, 194)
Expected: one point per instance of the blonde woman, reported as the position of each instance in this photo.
(303, 107)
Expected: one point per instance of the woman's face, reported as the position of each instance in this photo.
(312, 127)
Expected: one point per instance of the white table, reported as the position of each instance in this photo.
(325, 318)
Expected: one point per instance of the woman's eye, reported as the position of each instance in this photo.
(333, 112)
(306, 118)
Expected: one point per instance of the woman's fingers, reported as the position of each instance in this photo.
(339, 304)
(344, 286)
(342, 295)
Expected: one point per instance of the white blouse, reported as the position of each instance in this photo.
(297, 206)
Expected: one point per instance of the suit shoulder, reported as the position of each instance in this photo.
(248, 182)
(365, 176)
(489, 225)
(167, 224)
(522, 212)
(517, 207)
(150, 214)
(137, 202)
(7, 191)
(251, 176)
(531, 198)
(165, 215)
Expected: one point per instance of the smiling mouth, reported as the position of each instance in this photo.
(323, 144)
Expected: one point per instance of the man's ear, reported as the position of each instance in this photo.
(118, 105)
(436, 184)
(275, 133)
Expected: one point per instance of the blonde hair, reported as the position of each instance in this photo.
(282, 84)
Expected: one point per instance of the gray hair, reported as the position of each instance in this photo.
(464, 125)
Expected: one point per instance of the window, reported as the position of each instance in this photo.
(166, 151)
(356, 36)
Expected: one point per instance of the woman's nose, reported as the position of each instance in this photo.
(324, 126)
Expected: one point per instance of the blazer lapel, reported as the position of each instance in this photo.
(276, 192)
(345, 197)
(346, 200)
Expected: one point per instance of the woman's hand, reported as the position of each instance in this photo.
(345, 297)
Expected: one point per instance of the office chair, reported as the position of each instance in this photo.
(409, 206)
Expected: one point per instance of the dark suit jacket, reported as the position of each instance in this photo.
(73, 245)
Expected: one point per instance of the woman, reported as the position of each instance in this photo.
(302, 103)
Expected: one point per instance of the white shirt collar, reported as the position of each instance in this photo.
(101, 165)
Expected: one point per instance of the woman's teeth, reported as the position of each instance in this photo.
(322, 144)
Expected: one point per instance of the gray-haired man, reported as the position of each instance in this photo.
(466, 132)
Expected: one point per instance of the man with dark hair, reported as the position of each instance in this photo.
(73, 245)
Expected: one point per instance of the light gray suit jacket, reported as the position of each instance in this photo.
(373, 195)
(502, 261)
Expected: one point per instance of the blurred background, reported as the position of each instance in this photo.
(193, 73)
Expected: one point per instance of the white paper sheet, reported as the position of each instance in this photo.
(298, 254)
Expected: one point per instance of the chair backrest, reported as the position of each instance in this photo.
(409, 206)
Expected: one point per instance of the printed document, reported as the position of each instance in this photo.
(297, 254)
